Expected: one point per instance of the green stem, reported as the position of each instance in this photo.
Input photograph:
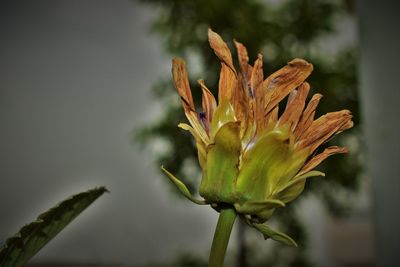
(221, 237)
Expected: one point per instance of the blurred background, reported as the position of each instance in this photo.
(86, 99)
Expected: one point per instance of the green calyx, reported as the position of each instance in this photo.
(219, 177)
(255, 180)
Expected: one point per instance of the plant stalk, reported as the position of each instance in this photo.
(222, 233)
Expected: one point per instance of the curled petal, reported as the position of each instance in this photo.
(325, 127)
(279, 84)
(201, 146)
(223, 114)
(316, 160)
(227, 79)
(221, 49)
(208, 101)
(181, 81)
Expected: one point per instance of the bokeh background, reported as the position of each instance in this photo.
(86, 100)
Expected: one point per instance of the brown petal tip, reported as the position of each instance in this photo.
(298, 62)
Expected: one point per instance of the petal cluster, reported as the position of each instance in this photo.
(252, 155)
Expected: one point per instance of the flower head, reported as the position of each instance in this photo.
(251, 157)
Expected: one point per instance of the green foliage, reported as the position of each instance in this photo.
(19, 248)
(281, 31)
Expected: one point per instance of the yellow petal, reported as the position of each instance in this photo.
(201, 146)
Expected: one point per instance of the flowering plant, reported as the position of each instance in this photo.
(254, 159)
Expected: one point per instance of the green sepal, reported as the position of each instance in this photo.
(294, 187)
(254, 207)
(263, 165)
(275, 235)
(219, 178)
(222, 115)
(19, 248)
(304, 176)
(182, 188)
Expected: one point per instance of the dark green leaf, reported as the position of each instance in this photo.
(19, 248)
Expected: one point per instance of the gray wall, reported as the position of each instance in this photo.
(380, 92)
(74, 83)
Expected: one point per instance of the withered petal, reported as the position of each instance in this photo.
(325, 127)
(295, 106)
(279, 84)
(257, 77)
(181, 81)
(307, 117)
(221, 49)
(243, 57)
(227, 83)
(208, 101)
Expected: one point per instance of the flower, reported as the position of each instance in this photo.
(251, 157)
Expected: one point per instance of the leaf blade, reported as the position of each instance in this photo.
(19, 248)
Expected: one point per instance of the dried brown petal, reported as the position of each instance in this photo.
(279, 84)
(208, 101)
(227, 83)
(257, 77)
(242, 57)
(324, 128)
(240, 102)
(307, 117)
(181, 81)
(295, 106)
(221, 49)
(272, 117)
